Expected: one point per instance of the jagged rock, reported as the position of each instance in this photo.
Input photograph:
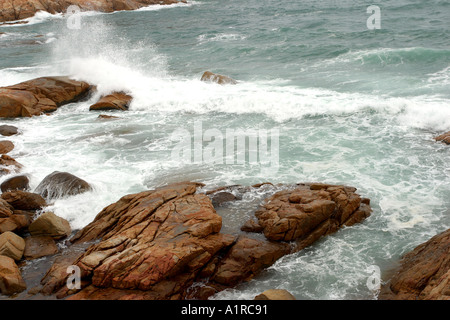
(6, 210)
(113, 101)
(11, 245)
(11, 281)
(16, 183)
(6, 130)
(275, 294)
(61, 184)
(6, 146)
(309, 212)
(49, 224)
(39, 246)
(424, 273)
(23, 200)
(217, 78)
(41, 95)
(22, 9)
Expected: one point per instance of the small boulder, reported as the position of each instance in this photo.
(39, 246)
(217, 78)
(61, 184)
(444, 138)
(6, 146)
(6, 210)
(23, 200)
(11, 245)
(14, 223)
(16, 183)
(8, 164)
(11, 280)
(113, 101)
(275, 294)
(106, 117)
(7, 131)
(49, 224)
(220, 198)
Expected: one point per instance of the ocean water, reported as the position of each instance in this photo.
(350, 106)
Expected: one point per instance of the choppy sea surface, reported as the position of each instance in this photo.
(350, 106)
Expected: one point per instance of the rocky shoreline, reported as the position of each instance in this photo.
(22, 9)
(161, 243)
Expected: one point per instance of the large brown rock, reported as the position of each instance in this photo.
(6, 146)
(49, 224)
(6, 210)
(16, 183)
(7, 130)
(156, 244)
(11, 281)
(424, 273)
(114, 101)
(23, 200)
(309, 212)
(61, 184)
(217, 78)
(21, 9)
(11, 245)
(41, 95)
(39, 246)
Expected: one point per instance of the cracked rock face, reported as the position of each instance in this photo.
(157, 244)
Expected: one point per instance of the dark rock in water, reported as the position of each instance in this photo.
(424, 273)
(106, 117)
(6, 130)
(15, 183)
(217, 78)
(39, 246)
(220, 198)
(6, 146)
(61, 184)
(23, 200)
(113, 101)
(8, 165)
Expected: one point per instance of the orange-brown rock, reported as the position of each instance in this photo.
(16, 183)
(113, 101)
(11, 280)
(6, 146)
(445, 137)
(217, 78)
(41, 95)
(8, 165)
(310, 211)
(424, 273)
(39, 246)
(7, 130)
(275, 294)
(23, 200)
(21, 9)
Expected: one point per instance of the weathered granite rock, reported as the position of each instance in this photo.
(39, 246)
(445, 137)
(6, 146)
(11, 245)
(217, 78)
(11, 281)
(8, 165)
(23, 200)
(114, 101)
(7, 130)
(49, 224)
(41, 95)
(424, 273)
(16, 183)
(61, 184)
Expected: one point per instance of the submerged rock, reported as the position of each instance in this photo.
(11, 280)
(8, 165)
(424, 273)
(41, 95)
(444, 138)
(61, 184)
(217, 78)
(114, 101)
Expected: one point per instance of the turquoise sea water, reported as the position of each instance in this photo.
(352, 106)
